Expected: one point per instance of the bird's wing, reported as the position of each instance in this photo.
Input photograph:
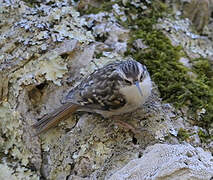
(98, 91)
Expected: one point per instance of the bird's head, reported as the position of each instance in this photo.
(133, 73)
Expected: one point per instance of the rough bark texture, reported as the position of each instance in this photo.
(46, 48)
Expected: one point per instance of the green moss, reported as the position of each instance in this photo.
(203, 136)
(99, 55)
(204, 70)
(32, 3)
(183, 134)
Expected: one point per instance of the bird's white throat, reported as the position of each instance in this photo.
(133, 95)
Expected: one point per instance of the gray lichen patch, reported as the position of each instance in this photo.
(180, 33)
(9, 122)
(6, 172)
(12, 145)
(35, 72)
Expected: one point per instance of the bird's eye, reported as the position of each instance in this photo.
(128, 82)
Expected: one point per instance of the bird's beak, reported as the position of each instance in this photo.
(139, 88)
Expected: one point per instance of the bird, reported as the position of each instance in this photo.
(119, 87)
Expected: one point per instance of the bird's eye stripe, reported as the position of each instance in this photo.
(127, 81)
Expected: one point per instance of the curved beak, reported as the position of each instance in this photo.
(139, 88)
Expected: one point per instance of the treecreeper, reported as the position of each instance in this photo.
(116, 88)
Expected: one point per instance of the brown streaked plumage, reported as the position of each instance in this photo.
(114, 89)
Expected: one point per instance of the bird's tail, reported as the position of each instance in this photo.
(54, 118)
